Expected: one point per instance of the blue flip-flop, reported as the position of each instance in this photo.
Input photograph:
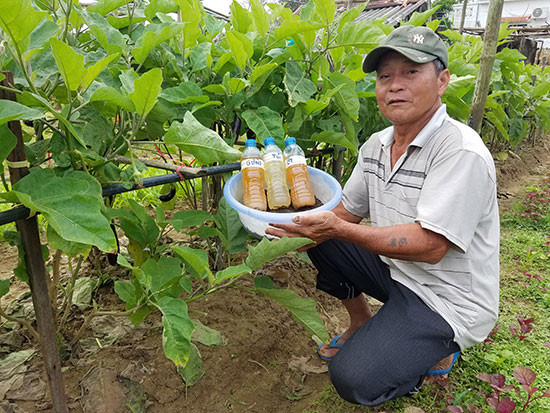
(440, 372)
(333, 344)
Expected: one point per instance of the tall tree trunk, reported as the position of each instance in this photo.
(463, 16)
(488, 52)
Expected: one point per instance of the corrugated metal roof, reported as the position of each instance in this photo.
(394, 12)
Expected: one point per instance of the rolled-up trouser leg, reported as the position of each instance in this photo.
(389, 355)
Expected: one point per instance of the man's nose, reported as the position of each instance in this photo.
(396, 83)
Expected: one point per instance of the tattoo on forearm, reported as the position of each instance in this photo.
(398, 242)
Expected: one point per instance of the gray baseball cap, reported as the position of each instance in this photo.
(417, 43)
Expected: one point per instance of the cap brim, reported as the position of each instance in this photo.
(371, 61)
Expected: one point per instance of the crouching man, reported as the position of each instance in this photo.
(430, 252)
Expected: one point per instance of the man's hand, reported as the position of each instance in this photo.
(317, 226)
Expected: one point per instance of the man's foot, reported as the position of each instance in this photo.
(442, 368)
(327, 352)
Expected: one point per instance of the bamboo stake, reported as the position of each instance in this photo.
(30, 237)
(488, 53)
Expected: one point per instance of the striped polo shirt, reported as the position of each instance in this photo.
(446, 182)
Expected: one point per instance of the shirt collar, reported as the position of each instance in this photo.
(386, 136)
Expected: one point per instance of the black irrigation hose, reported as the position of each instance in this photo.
(22, 212)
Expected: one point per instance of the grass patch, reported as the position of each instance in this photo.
(524, 295)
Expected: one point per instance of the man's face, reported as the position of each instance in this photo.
(408, 92)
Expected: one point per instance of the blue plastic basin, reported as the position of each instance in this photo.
(326, 189)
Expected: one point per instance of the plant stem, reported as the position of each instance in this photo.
(23, 322)
(69, 293)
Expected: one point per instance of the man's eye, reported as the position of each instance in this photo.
(413, 71)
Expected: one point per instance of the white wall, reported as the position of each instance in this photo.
(476, 14)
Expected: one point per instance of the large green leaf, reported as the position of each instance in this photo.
(260, 74)
(9, 141)
(346, 98)
(325, 10)
(364, 35)
(72, 205)
(336, 138)
(185, 92)
(94, 70)
(298, 87)
(241, 47)
(160, 6)
(203, 143)
(541, 89)
(264, 122)
(10, 110)
(231, 272)
(201, 56)
(196, 259)
(260, 16)
(104, 7)
(267, 250)
(290, 27)
(418, 19)
(18, 18)
(193, 370)
(302, 310)
(108, 37)
(350, 15)
(69, 62)
(240, 17)
(178, 328)
(111, 95)
(207, 336)
(189, 218)
(43, 32)
(72, 249)
(154, 36)
(162, 274)
(460, 85)
(146, 91)
(233, 235)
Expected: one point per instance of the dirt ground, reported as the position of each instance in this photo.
(268, 363)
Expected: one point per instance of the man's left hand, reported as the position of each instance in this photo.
(317, 226)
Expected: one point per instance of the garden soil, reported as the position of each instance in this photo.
(266, 363)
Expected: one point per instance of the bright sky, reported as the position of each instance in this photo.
(221, 6)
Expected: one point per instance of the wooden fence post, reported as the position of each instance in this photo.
(490, 39)
(30, 238)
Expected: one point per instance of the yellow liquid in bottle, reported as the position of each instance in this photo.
(300, 186)
(275, 177)
(253, 185)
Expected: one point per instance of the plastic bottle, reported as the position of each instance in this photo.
(275, 176)
(252, 169)
(298, 175)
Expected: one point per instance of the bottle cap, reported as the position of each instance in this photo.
(250, 143)
(290, 140)
(269, 141)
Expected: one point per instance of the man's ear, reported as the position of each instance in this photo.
(443, 81)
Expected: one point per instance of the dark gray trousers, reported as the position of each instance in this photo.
(390, 354)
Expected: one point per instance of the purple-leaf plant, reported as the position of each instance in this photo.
(525, 326)
(496, 401)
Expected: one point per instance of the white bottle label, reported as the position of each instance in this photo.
(252, 163)
(295, 160)
(272, 157)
